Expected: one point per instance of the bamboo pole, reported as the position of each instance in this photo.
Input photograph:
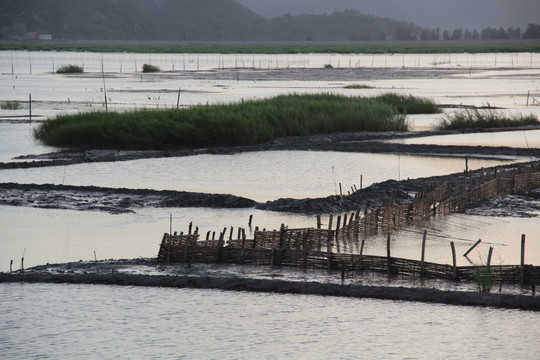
(489, 256)
(454, 267)
(422, 268)
(522, 266)
(388, 255)
(472, 247)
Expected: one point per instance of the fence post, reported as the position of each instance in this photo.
(388, 255)
(454, 267)
(522, 266)
(361, 254)
(329, 244)
(489, 256)
(422, 268)
(304, 245)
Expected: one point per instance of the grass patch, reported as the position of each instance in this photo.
(10, 105)
(150, 68)
(69, 69)
(357, 86)
(245, 123)
(474, 118)
(484, 279)
(408, 104)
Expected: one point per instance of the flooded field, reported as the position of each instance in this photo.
(508, 81)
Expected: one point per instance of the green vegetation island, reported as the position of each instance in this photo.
(244, 123)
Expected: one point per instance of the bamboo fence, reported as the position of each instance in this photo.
(332, 248)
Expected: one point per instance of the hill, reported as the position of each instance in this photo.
(186, 20)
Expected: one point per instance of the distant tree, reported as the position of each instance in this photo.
(446, 35)
(457, 34)
(532, 32)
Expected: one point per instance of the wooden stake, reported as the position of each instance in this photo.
(388, 257)
(178, 98)
(454, 267)
(30, 107)
(472, 247)
(422, 268)
(489, 256)
(522, 267)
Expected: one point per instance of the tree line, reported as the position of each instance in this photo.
(489, 33)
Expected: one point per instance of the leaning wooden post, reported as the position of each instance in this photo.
(388, 255)
(10, 266)
(338, 225)
(472, 247)
(318, 221)
(454, 267)
(422, 268)
(178, 98)
(30, 107)
(522, 266)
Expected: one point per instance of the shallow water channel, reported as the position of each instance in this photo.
(55, 321)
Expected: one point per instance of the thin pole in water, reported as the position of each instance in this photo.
(30, 107)
(178, 99)
(104, 88)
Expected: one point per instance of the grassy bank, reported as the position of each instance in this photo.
(246, 123)
(418, 47)
(477, 119)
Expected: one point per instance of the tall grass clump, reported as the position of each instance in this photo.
(245, 123)
(484, 279)
(474, 118)
(69, 69)
(150, 68)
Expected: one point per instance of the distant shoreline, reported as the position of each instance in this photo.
(277, 47)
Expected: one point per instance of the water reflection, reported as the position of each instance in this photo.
(260, 176)
(109, 322)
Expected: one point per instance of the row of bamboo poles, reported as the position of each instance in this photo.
(326, 248)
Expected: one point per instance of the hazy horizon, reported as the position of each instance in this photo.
(448, 15)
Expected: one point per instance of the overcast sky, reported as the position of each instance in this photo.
(447, 14)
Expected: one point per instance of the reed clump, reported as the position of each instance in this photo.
(484, 279)
(244, 123)
(147, 68)
(475, 118)
(357, 86)
(70, 69)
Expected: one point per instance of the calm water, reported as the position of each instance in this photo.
(110, 322)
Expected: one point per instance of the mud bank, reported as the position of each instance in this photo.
(362, 142)
(111, 200)
(116, 201)
(285, 287)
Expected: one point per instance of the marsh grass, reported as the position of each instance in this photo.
(245, 123)
(475, 118)
(10, 105)
(484, 279)
(150, 68)
(69, 69)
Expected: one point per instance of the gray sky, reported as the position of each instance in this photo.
(447, 14)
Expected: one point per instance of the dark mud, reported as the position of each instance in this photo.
(80, 273)
(111, 200)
